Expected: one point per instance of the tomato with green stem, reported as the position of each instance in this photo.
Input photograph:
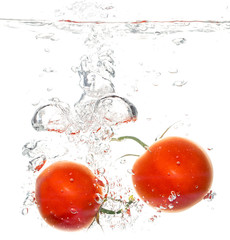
(173, 174)
(67, 195)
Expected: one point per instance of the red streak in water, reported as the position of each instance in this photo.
(40, 166)
(55, 130)
(142, 21)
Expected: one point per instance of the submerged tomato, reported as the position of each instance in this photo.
(174, 174)
(67, 195)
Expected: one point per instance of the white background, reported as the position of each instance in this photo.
(20, 65)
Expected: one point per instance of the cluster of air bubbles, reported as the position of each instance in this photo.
(96, 73)
(49, 36)
(172, 196)
(137, 27)
(28, 202)
(86, 10)
(43, 149)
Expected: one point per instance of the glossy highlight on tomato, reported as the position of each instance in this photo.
(173, 174)
(67, 195)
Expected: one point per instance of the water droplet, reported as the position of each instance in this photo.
(178, 163)
(172, 197)
(196, 186)
(73, 211)
(170, 206)
(71, 180)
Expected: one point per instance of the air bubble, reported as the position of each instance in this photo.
(179, 41)
(130, 171)
(98, 198)
(113, 110)
(51, 117)
(101, 171)
(29, 200)
(90, 159)
(37, 163)
(179, 83)
(25, 211)
(28, 148)
(210, 195)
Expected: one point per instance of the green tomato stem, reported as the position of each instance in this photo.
(107, 211)
(162, 135)
(145, 146)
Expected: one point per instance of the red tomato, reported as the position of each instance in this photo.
(173, 175)
(67, 195)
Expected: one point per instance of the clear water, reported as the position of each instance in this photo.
(91, 81)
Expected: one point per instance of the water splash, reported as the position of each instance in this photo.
(100, 108)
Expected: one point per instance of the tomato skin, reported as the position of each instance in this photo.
(173, 175)
(66, 194)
